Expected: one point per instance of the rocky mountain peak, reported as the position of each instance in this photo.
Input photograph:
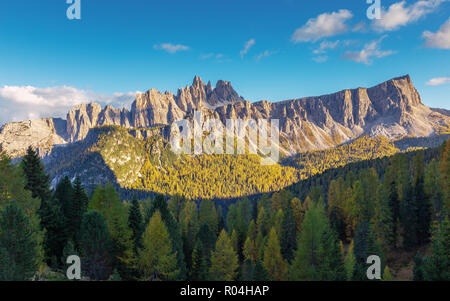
(393, 109)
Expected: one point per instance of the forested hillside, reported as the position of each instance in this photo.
(322, 228)
(131, 161)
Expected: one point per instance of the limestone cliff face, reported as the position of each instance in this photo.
(393, 109)
(43, 134)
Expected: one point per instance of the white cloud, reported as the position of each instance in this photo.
(360, 27)
(19, 103)
(325, 45)
(325, 25)
(440, 39)
(211, 55)
(247, 47)
(400, 14)
(171, 48)
(207, 56)
(266, 53)
(438, 81)
(370, 50)
(320, 59)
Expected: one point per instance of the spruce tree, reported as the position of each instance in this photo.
(64, 194)
(208, 240)
(248, 271)
(408, 214)
(445, 176)
(306, 262)
(95, 243)
(288, 238)
(437, 265)
(382, 220)
(350, 263)
(208, 215)
(37, 180)
(330, 263)
(107, 201)
(418, 267)
(423, 204)
(135, 222)
(19, 253)
(55, 239)
(364, 246)
(79, 206)
(199, 268)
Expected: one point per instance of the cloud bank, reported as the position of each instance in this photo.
(19, 103)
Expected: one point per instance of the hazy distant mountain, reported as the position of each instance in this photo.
(393, 109)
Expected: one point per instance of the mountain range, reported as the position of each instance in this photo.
(393, 109)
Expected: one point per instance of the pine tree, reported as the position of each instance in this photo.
(350, 263)
(408, 217)
(207, 239)
(288, 238)
(274, 264)
(95, 243)
(37, 181)
(433, 189)
(262, 222)
(12, 188)
(135, 222)
(107, 201)
(330, 263)
(224, 260)
(423, 204)
(157, 259)
(306, 262)
(418, 267)
(387, 274)
(364, 246)
(69, 250)
(235, 241)
(248, 271)
(115, 276)
(208, 215)
(13, 185)
(250, 251)
(260, 273)
(445, 176)
(19, 253)
(189, 229)
(393, 200)
(298, 212)
(199, 269)
(160, 204)
(437, 265)
(55, 239)
(79, 206)
(382, 220)
(64, 194)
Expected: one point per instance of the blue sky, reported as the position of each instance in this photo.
(295, 49)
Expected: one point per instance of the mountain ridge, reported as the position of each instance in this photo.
(393, 109)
